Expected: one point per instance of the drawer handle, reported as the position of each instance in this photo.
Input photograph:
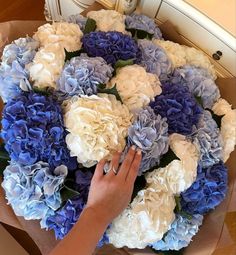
(217, 55)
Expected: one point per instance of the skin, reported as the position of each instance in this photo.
(109, 195)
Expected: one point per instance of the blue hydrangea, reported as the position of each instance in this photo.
(208, 191)
(180, 234)
(154, 59)
(33, 191)
(78, 19)
(143, 22)
(112, 46)
(200, 83)
(207, 137)
(149, 132)
(33, 130)
(82, 74)
(178, 105)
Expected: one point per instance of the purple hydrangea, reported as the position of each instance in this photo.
(81, 76)
(154, 59)
(78, 19)
(180, 234)
(207, 137)
(33, 130)
(34, 190)
(199, 82)
(112, 46)
(149, 132)
(177, 104)
(143, 22)
(208, 191)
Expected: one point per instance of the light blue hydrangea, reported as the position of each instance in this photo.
(154, 59)
(149, 132)
(181, 233)
(207, 137)
(33, 191)
(143, 22)
(200, 83)
(82, 74)
(77, 19)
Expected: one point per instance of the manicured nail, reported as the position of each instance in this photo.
(139, 152)
(133, 147)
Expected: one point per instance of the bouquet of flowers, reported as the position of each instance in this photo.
(83, 88)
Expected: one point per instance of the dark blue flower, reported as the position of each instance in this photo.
(112, 46)
(33, 130)
(177, 104)
(207, 191)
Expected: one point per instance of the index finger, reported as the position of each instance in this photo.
(134, 168)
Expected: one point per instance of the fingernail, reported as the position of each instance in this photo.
(139, 152)
(133, 147)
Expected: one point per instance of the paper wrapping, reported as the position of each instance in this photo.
(217, 235)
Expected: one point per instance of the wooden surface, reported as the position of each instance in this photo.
(21, 10)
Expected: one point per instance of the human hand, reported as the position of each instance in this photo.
(110, 194)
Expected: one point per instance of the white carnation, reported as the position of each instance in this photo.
(68, 35)
(135, 86)
(228, 126)
(183, 55)
(98, 126)
(146, 220)
(47, 66)
(108, 20)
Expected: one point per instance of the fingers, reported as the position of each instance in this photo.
(124, 169)
(99, 169)
(114, 164)
(134, 168)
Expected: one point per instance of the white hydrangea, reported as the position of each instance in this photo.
(68, 35)
(146, 220)
(108, 20)
(135, 86)
(47, 66)
(228, 126)
(178, 175)
(97, 125)
(183, 55)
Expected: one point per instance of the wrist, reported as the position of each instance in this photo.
(96, 214)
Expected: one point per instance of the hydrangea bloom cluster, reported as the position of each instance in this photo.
(209, 140)
(149, 132)
(178, 105)
(33, 130)
(154, 59)
(112, 46)
(34, 190)
(180, 234)
(13, 75)
(200, 83)
(207, 191)
(143, 22)
(77, 19)
(81, 76)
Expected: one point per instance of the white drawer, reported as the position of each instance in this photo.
(199, 36)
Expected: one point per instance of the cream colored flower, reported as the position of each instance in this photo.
(135, 86)
(146, 220)
(68, 35)
(47, 66)
(98, 126)
(228, 126)
(184, 55)
(108, 20)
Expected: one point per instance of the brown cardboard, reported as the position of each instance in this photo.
(217, 236)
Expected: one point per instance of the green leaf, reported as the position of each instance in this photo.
(113, 91)
(72, 54)
(186, 215)
(44, 92)
(68, 192)
(199, 101)
(216, 118)
(167, 158)
(90, 26)
(140, 34)
(178, 204)
(3, 165)
(121, 63)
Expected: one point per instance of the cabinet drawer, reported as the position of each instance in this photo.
(200, 36)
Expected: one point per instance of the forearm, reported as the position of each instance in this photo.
(84, 236)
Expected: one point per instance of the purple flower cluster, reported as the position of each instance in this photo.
(177, 104)
(78, 19)
(207, 191)
(111, 46)
(33, 130)
(143, 22)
